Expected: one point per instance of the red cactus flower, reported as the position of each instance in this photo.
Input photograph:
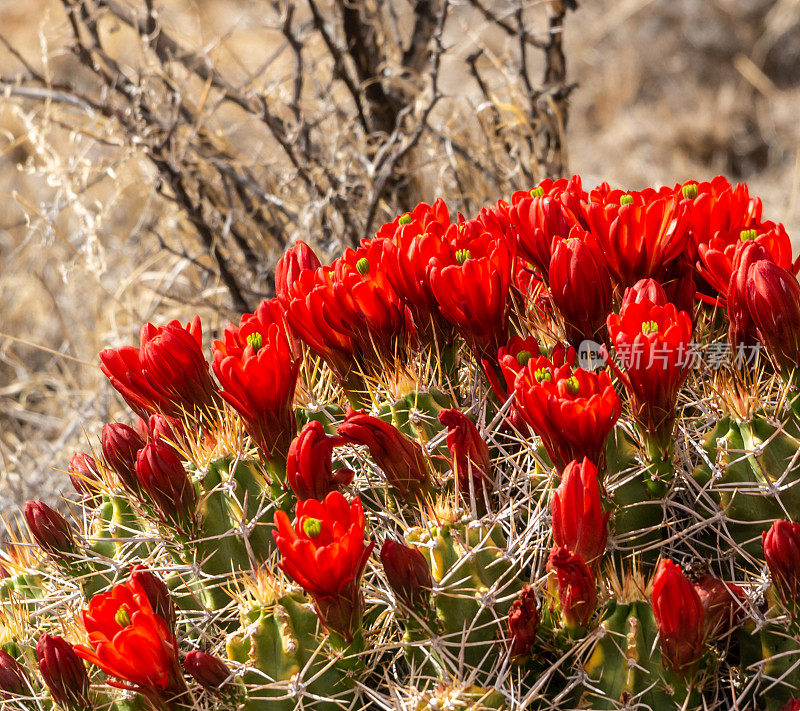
(741, 330)
(161, 428)
(326, 554)
(120, 445)
(782, 553)
(163, 480)
(257, 367)
(49, 529)
(653, 343)
(309, 469)
(645, 290)
(580, 287)
(571, 409)
(472, 286)
(400, 458)
(63, 672)
(207, 670)
(523, 621)
(680, 616)
(407, 573)
(157, 593)
(722, 603)
(471, 461)
(579, 523)
(83, 473)
(791, 705)
(13, 678)
(297, 259)
(577, 593)
(167, 373)
(128, 641)
(773, 300)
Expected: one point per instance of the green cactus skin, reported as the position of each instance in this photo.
(284, 650)
(625, 663)
(330, 417)
(754, 458)
(474, 586)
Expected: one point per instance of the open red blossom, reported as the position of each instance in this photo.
(400, 458)
(653, 345)
(257, 365)
(782, 553)
(298, 258)
(577, 590)
(680, 616)
(309, 469)
(773, 300)
(325, 552)
(167, 373)
(470, 453)
(579, 523)
(639, 233)
(573, 410)
(580, 287)
(128, 641)
(472, 285)
(410, 244)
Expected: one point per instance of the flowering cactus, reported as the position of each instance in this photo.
(540, 457)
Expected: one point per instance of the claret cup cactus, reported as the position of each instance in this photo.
(542, 458)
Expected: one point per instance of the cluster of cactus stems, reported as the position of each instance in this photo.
(544, 458)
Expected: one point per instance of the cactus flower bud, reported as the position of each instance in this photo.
(121, 444)
(680, 616)
(407, 572)
(579, 523)
(13, 678)
(721, 602)
(782, 553)
(523, 621)
(167, 429)
(297, 259)
(577, 592)
(401, 459)
(49, 529)
(309, 469)
(773, 299)
(164, 481)
(470, 453)
(580, 287)
(791, 705)
(645, 289)
(82, 473)
(64, 673)
(157, 593)
(207, 670)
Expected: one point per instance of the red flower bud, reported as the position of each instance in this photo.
(580, 287)
(167, 373)
(401, 459)
(742, 331)
(721, 602)
(157, 593)
(644, 290)
(309, 469)
(207, 670)
(773, 299)
(13, 678)
(167, 429)
(64, 673)
(791, 705)
(470, 453)
(782, 553)
(49, 529)
(407, 572)
(523, 621)
(120, 445)
(83, 473)
(297, 259)
(164, 481)
(577, 592)
(579, 523)
(680, 616)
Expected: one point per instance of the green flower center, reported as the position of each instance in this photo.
(523, 357)
(649, 327)
(625, 199)
(362, 265)
(748, 235)
(312, 527)
(689, 191)
(572, 385)
(255, 340)
(537, 192)
(404, 219)
(462, 255)
(543, 374)
(123, 617)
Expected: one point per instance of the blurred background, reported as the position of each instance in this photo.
(157, 156)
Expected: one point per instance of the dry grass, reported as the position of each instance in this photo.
(668, 89)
